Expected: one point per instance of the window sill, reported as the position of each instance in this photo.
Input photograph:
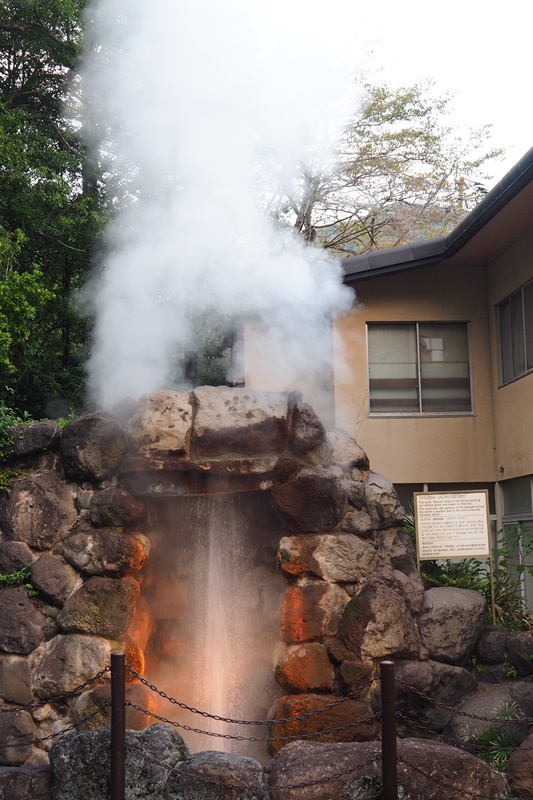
(517, 378)
(420, 415)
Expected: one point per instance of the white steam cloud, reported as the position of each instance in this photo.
(208, 108)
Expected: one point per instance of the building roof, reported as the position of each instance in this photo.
(504, 213)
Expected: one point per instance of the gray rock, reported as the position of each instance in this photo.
(440, 682)
(338, 558)
(397, 547)
(35, 437)
(116, 508)
(359, 523)
(451, 622)
(346, 452)
(162, 424)
(102, 606)
(92, 446)
(14, 556)
(17, 732)
(376, 623)
(520, 770)
(239, 421)
(54, 579)
(492, 644)
(312, 610)
(307, 434)
(22, 626)
(104, 552)
(67, 661)
(15, 680)
(39, 510)
(313, 501)
(92, 709)
(520, 649)
(23, 783)
(201, 776)
(151, 755)
(522, 693)
(382, 502)
(486, 703)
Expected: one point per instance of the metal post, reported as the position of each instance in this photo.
(388, 731)
(118, 726)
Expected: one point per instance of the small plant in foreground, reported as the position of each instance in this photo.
(21, 577)
(496, 744)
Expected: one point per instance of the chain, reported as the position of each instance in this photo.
(247, 738)
(57, 698)
(63, 730)
(524, 720)
(262, 789)
(231, 721)
(460, 792)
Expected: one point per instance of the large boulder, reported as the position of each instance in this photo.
(22, 625)
(312, 501)
(520, 650)
(15, 680)
(14, 556)
(238, 421)
(382, 502)
(162, 424)
(304, 668)
(92, 446)
(322, 717)
(346, 452)
(17, 731)
(339, 558)
(115, 508)
(482, 709)
(492, 644)
(306, 434)
(451, 622)
(54, 579)
(34, 437)
(150, 756)
(312, 610)
(377, 623)
(92, 709)
(418, 685)
(68, 661)
(211, 775)
(38, 510)
(21, 783)
(104, 552)
(101, 606)
(520, 770)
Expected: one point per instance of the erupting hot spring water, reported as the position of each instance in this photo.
(215, 597)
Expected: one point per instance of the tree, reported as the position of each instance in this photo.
(399, 175)
(49, 216)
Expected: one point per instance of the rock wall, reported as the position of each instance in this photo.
(77, 516)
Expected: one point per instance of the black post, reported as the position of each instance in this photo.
(388, 731)
(118, 726)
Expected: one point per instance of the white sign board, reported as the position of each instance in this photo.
(452, 524)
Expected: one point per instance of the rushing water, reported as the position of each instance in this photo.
(215, 596)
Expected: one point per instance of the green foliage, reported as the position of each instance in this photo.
(496, 744)
(401, 174)
(9, 418)
(20, 578)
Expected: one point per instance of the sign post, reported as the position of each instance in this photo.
(454, 525)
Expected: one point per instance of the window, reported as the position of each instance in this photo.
(515, 323)
(419, 368)
(517, 496)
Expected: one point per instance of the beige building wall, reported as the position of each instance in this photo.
(422, 448)
(513, 403)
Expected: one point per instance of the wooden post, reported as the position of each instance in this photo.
(388, 731)
(118, 726)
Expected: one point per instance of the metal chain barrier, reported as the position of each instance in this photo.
(232, 721)
(238, 738)
(67, 729)
(58, 697)
(458, 712)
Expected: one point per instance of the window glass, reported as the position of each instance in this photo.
(517, 496)
(419, 368)
(528, 319)
(517, 333)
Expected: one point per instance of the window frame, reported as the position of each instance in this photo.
(503, 305)
(420, 412)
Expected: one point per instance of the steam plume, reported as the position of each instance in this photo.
(208, 109)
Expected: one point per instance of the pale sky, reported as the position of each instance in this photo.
(479, 51)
